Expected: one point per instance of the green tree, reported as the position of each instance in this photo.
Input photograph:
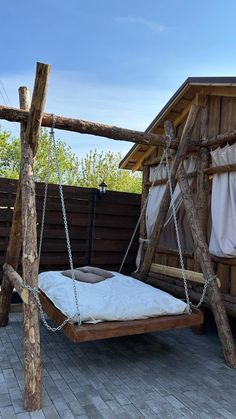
(96, 167)
(10, 159)
(87, 172)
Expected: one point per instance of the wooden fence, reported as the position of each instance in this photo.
(100, 227)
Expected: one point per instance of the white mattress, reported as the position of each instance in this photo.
(118, 298)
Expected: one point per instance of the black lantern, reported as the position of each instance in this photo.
(102, 188)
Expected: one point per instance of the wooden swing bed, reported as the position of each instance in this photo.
(111, 329)
(31, 118)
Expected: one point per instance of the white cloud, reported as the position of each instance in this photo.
(136, 20)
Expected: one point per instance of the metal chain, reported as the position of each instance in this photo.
(209, 279)
(163, 157)
(65, 218)
(177, 233)
(34, 291)
(44, 204)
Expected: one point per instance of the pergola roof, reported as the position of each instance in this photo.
(176, 110)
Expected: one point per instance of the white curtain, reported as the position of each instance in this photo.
(155, 197)
(223, 204)
(157, 192)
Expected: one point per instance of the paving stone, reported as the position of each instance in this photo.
(173, 374)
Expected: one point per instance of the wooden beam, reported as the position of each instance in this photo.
(203, 187)
(141, 159)
(145, 191)
(229, 91)
(110, 329)
(159, 182)
(202, 252)
(88, 127)
(193, 147)
(191, 276)
(16, 282)
(227, 168)
(32, 360)
(165, 204)
(219, 139)
(15, 239)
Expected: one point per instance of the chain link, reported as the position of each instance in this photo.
(209, 279)
(35, 291)
(177, 233)
(142, 240)
(65, 217)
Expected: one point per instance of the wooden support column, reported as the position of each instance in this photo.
(202, 252)
(32, 360)
(160, 220)
(145, 191)
(202, 196)
(15, 239)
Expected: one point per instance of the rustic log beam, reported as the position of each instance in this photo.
(227, 168)
(203, 186)
(219, 139)
(145, 191)
(202, 252)
(15, 239)
(32, 360)
(172, 271)
(154, 161)
(165, 204)
(16, 282)
(88, 127)
(159, 182)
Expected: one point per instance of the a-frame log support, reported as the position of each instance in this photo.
(165, 203)
(15, 239)
(202, 193)
(32, 360)
(202, 252)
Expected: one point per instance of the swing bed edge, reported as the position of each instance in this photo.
(109, 329)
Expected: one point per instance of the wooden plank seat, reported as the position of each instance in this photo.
(104, 330)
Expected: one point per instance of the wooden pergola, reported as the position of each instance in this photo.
(23, 235)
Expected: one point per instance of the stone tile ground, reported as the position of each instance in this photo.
(174, 374)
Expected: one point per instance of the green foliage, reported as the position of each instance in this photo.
(96, 167)
(88, 172)
(9, 156)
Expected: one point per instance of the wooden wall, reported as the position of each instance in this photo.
(222, 118)
(100, 229)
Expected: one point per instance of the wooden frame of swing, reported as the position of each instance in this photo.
(31, 121)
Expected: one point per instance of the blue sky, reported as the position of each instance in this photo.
(116, 62)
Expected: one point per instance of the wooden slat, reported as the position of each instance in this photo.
(106, 330)
(177, 273)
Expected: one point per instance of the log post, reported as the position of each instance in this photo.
(202, 195)
(202, 252)
(15, 239)
(160, 220)
(32, 361)
(145, 191)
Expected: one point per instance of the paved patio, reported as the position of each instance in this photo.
(175, 374)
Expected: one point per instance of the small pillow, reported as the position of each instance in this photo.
(97, 271)
(90, 278)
